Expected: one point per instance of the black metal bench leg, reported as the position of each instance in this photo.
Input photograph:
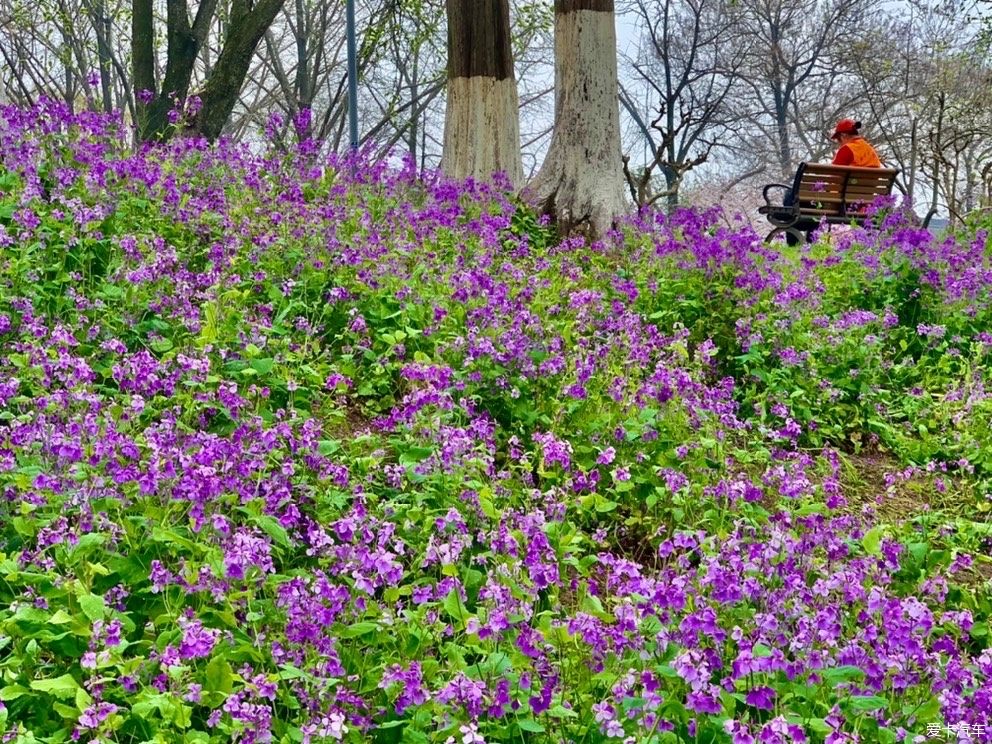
(792, 235)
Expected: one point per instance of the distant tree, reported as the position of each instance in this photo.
(686, 70)
(960, 135)
(52, 49)
(482, 125)
(796, 78)
(925, 75)
(581, 183)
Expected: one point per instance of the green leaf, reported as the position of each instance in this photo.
(358, 629)
(872, 541)
(632, 703)
(496, 664)
(61, 617)
(93, 606)
(208, 330)
(288, 671)
(219, 676)
(415, 455)
(88, 543)
(868, 702)
(927, 712)
(263, 366)
(270, 525)
(846, 673)
(61, 687)
(83, 699)
(328, 446)
(12, 692)
(812, 509)
(455, 608)
(820, 726)
(530, 725)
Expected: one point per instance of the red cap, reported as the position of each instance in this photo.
(846, 126)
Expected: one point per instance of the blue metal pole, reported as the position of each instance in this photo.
(352, 76)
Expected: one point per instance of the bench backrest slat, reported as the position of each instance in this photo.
(840, 190)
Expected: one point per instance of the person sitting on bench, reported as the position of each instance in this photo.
(854, 149)
(837, 193)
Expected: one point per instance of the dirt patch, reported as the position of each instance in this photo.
(876, 479)
(978, 575)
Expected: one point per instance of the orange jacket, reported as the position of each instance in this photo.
(857, 152)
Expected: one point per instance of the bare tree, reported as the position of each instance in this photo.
(795, 80)
(687, 69)
(63, 49)
(925, 75)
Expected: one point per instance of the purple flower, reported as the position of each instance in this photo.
(96, 714)
(197, 641)
(761, 697)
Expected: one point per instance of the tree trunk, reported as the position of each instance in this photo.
(143, 60)
(183, 45)
(220, 94)
(482, 124)
(580, 183)
(671, 186)
(185, 40)
(304, 96)
(414, 106)
(102, 30)
(913, 146)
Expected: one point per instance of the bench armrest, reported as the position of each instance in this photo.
(764, 192)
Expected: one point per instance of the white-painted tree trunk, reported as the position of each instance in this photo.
(581, 181)
(482, 129)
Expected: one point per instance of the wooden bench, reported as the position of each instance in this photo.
(835, 194)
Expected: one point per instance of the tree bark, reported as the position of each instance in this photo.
(220, 94)
(482, 124)
(143, 62)
(247, 25)
(102, 30)
(580, 184)
(183, 45)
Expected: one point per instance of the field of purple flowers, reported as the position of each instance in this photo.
(294, 455)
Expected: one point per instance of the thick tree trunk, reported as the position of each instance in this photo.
(220, 94)
(143, 62)
(247, 25)
(671, 185)
(184, 42)
(580, 183)
(482, 124)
